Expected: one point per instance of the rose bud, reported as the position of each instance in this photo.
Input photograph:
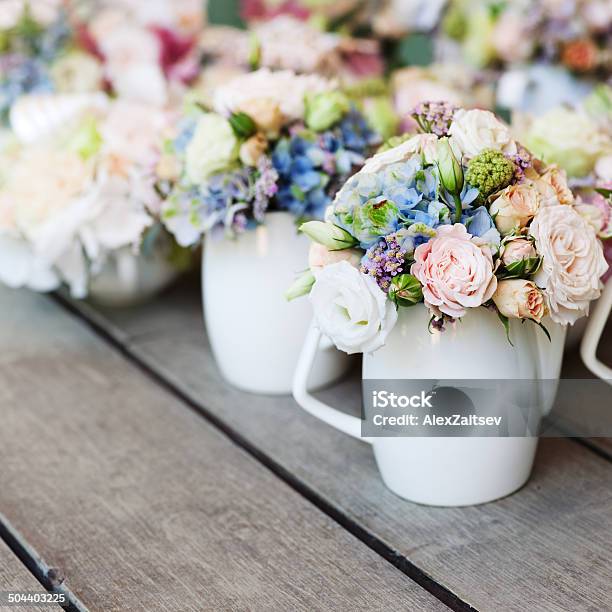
(515, 207)
(518, 250)
(253, 149)
(266, 114)
(520, 299)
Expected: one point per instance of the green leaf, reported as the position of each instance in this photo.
(606, 193)
(244, 127)
(506, 323)
(415, 50)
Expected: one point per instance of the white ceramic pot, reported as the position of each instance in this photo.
(255, 334)
(449, 471)
(128, 279)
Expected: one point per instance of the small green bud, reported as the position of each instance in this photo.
(490, 171)
(243, 126)
(331, 236)
(381, 116)
(254, 52)
(301, 286)
(323, 110)
(405, 290)
(451, 172)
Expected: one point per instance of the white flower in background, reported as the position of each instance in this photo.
(285, 89)
(184, 15)
(472, 131)
(293, 44)
(414, 85)
(21, 267)
(603, 168)
(132, 55)
(401, 16)
(571, 139)
(511, 37)
(351, 309)
(77, 72)
(572, 262)
(213, 148)
(44, 12)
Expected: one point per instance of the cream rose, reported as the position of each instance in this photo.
(553, 187)
(517, 250)
(266, 113)
(515, 206)
(455, 271)
(472, 131)
(283, 88)
(572, 262)
(520, 299)
(320, 257)
(213, 148)
(351, 309)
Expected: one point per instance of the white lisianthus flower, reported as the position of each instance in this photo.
(423, 144)
(473, 131)
(284, 89)
(351, 309)
(572, 262)
(213, 148)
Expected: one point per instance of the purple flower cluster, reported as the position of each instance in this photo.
(265, 187)
(383, 261)
(522, 160)
(434, 117)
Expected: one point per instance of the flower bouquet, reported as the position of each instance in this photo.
(426, 255)
(78, 204)
(272, 151)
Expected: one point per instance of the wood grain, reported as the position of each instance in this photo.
(15, 577)
(143, 505)
(548, 547)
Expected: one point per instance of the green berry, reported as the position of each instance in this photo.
(490, 171)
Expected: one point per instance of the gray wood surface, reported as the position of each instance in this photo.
(145, 506)
(548, 547)
(15, 577)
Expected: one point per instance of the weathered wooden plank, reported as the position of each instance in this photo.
(15, 577)
(548, 547)
(143, 505)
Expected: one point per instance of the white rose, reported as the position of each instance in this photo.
(351, 309)
(213, 148)
(472, 131)
(572, 262)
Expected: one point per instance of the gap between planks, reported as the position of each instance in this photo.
(37, 567)
(412, 571)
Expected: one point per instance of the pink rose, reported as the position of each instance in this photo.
(515, 206)
(455, 271)
(553, 187)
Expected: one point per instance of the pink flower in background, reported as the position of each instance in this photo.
(254, 10)
(455, 271)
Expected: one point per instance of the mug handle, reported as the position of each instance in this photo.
(345, 423)
(592, 335)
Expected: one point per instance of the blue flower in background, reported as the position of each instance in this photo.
(311, 166)
(20, 75)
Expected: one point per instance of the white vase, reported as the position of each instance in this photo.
(255, 334)
(127, 279)
(450, 471)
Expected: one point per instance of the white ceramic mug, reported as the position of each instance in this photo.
(449, 471)
(595, 327)
(128, 278)
(256, 335)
